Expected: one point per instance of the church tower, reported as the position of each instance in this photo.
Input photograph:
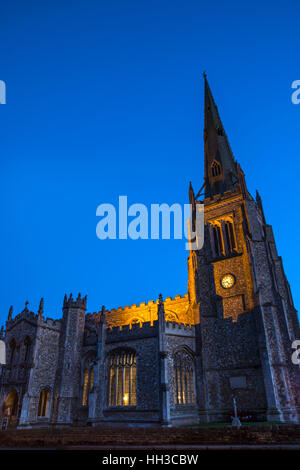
(245, 317)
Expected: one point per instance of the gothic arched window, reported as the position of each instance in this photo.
(215, 168)
(217, 234)
(12, 351)
(88, 380)
(27, 344)
(184, 378)
(230, 236)
(122, 378)
(10, 407)
(43, 402)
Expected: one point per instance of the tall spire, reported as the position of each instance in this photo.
(220, 166)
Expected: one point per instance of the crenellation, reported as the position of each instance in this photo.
(177, 309)
(179, 328)
(50, 323)
(131, 332)
(150, 303)
(93, 316)
(72, 303)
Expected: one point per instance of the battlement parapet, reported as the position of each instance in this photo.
(179, 329)
(148, 304)
(176, 298)
(130, 332)
(80, 302)
(49, 323)
(93, 317)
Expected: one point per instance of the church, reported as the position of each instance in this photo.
(171, 361)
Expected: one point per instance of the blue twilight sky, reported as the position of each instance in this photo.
(105, 98)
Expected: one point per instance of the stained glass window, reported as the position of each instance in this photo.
(183, 378)
(122, 378)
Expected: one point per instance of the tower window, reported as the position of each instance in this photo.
(183, 378)
(230, 239)
(43, 403)
(122, 378)
(222, 237)
(217, 235)
(215, 168)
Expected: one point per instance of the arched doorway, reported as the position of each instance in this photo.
(10, 408)
(43, 403)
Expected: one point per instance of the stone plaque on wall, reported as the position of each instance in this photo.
(238, 382)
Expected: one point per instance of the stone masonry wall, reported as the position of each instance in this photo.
(42, 374)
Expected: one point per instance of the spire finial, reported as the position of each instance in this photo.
(41, 307)
(10, 313)
(204, 74)
(102, 316)
(161, 310)
(259, 203)
(191, 193)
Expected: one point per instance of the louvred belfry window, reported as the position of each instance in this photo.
(122, 378)
(215, 169)
(230, 236)
(222, 236)
(217, 233)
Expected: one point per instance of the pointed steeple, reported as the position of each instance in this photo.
(221, 172)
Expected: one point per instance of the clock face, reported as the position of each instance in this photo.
(227, 281)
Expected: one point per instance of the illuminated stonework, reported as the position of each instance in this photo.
(172, 361)
(178, 310)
